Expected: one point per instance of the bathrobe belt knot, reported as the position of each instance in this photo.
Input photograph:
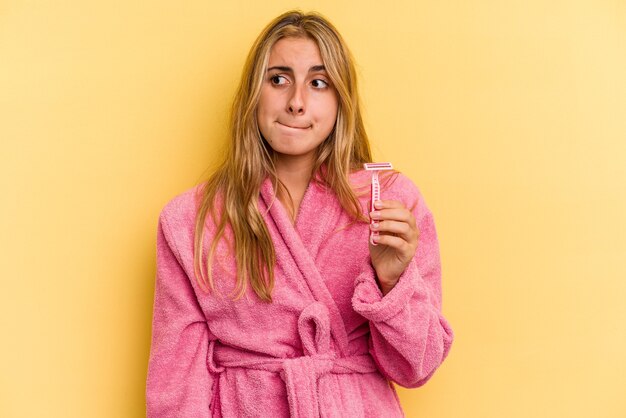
(300, 374)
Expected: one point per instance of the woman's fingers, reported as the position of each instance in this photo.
(393, 210)
(394, 219)
(401, 229)
(397, 232)
(398, 243)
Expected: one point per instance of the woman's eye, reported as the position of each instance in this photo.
(319, 84)
(278, 80)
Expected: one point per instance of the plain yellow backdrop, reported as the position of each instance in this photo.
(509, 115)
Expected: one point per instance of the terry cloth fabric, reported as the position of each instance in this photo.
(327, 346)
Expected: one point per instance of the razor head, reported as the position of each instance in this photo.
(377, 166)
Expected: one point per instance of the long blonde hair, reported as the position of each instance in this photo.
(249, 159)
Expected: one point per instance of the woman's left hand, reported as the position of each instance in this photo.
(397, 241)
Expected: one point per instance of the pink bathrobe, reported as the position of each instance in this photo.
(327, 346)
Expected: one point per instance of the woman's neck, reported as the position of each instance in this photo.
(295, 174)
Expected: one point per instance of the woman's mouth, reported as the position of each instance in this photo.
(294, 126)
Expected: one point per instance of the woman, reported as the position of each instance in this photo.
(269, 299)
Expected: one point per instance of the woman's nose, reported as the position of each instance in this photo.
(296, 101)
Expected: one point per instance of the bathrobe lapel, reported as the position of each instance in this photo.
(317, 214)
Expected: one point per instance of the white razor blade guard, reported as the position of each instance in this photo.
(375, 196)
(377, 166)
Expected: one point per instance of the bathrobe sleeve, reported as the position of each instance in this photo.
(178, 382)
(409, 337)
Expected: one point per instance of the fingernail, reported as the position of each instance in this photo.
(375, 225)
(378, 204)
(374, 215)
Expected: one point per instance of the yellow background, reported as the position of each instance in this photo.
(509, 115)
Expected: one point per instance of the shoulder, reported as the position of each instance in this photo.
(182, 206)
(178, 215)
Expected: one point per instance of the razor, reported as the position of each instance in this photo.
(375, 168)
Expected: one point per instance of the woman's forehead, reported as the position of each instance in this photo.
(292, 52)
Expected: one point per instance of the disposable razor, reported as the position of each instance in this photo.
(375, 168)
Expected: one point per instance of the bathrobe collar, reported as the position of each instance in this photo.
(316, 215)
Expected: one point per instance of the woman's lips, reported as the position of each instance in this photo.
(294, 127)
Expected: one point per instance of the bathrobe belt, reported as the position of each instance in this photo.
(300, 374)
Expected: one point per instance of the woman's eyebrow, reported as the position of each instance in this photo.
(313, 69)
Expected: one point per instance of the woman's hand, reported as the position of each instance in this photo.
(397, 241)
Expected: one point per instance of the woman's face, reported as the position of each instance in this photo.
(298, 106)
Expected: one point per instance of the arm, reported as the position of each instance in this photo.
(409, 337)
(178, 382)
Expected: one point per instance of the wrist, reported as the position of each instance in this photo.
(385, 289)
(386, 286)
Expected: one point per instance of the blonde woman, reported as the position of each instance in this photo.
(270, 301)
